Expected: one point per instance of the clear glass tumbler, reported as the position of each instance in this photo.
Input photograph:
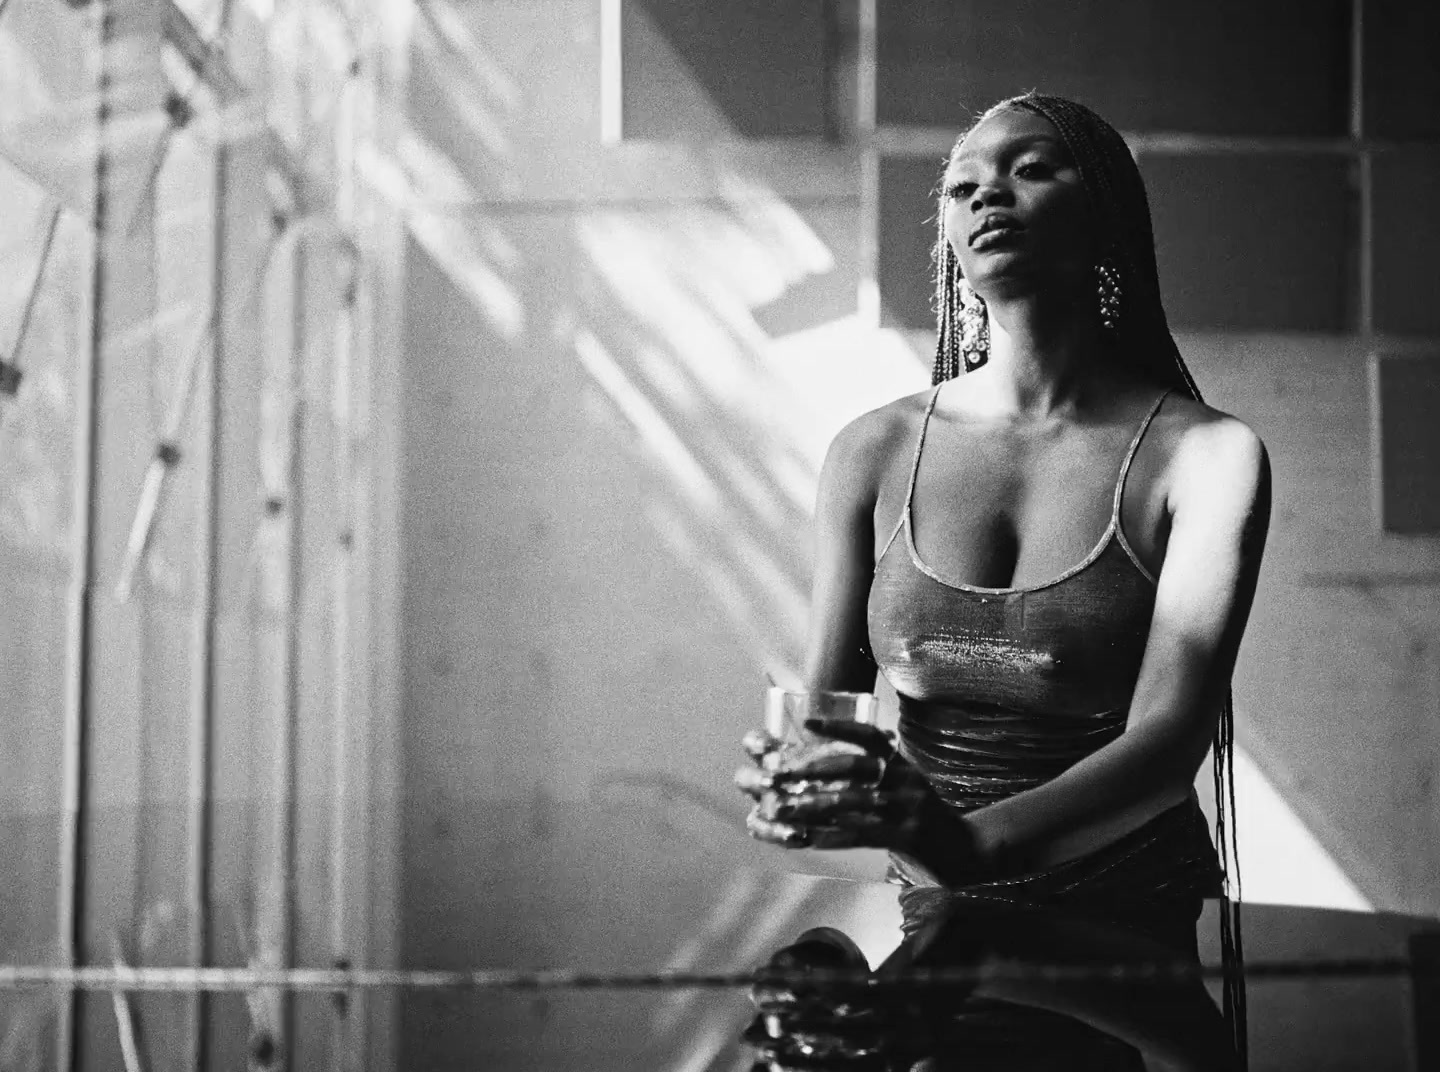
(787, 709)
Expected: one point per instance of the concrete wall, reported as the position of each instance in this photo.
(1338, 683)
(622, 366)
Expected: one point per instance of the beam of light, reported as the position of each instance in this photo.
(777, 655)
(439, 24)
(612, 73)
(333, 34)
(833, 373)
(729, 912)
(1281, 862)
(743, 945)
(706, 1042)
(789, 603)
(482, 94)
(455, 253)
(432, 176)
(633, 259)
(790, 240)
(666, 447)
(454, 245)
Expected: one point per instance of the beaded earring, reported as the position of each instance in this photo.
(974, 328)
(1108, 284)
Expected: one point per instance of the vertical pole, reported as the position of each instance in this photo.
(344, 579)
(272, 1041)
(612, 73)
(868, 245)
(78, 604)
(202, 674)
(340, 937)
(285, 753)
(1365, 259)
(378, 548)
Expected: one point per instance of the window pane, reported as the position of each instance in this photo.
(1407, 228)
(907, 235)
(1207, 66)
(1402, 76)
(1408, 386)
(1253, 243)
(749, 67)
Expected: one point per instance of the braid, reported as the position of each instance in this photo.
(1143, 341)
(1117, 194)
(947, 307)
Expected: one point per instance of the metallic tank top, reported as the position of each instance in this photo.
(1002, 689)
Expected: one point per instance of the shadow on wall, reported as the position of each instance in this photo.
(610, 461)
(635, 407)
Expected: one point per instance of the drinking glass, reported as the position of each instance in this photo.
(787, 709)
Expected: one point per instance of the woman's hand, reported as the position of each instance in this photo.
(835, 1022)
(850, 789)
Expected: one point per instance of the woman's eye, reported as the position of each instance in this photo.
(1032, 169)
(960, 189)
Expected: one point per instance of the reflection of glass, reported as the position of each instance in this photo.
(787, 709)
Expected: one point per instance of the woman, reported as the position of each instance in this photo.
(1051, 557)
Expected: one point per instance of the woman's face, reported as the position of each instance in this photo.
(1015, 210)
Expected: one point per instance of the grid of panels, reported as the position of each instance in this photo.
(1289, 146)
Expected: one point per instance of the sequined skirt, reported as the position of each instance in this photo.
(1155, 879)
(1160, 871)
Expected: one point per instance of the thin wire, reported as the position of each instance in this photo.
(31, 298)
(239, 980)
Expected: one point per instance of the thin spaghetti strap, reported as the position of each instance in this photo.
(1130, 456)
(914, 468)
(920, 446)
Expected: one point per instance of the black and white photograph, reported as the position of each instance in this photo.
(719, 535)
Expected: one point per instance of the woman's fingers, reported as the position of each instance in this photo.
(831, 765)
(873, 739)
(754, 781)
(857, 831)
(776, 833)
(827, 805)
(758, 744)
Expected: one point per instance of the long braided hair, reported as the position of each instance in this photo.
(1140, 338)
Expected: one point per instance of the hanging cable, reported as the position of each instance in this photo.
(10, 369)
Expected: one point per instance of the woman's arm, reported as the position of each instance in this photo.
(1219, 505)
(837, 653)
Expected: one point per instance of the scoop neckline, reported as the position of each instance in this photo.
(980, 589)
(1113, 529)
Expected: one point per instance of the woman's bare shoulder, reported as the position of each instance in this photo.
(865, 448)
(1202, 444)
(879, 431)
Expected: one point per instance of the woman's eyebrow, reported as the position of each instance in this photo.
(1014, 147)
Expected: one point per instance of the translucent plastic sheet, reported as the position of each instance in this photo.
(189, 305)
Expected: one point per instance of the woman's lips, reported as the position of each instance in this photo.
(1005, 235)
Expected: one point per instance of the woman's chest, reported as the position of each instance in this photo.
(997, 509)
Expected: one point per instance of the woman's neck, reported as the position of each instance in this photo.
(1044, 356)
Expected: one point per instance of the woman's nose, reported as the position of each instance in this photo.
(992, 193)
